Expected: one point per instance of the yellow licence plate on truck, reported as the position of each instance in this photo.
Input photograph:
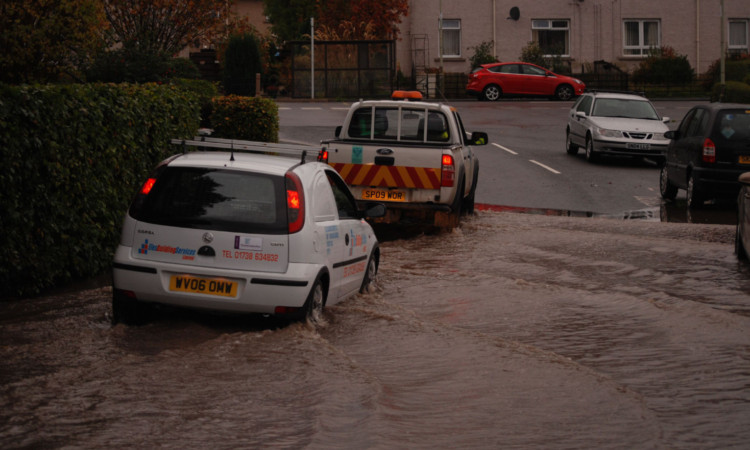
(199, 285)
(744, 159)
(384, 195)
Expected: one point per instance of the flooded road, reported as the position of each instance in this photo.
(513, 331)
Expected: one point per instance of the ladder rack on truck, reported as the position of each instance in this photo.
(289, 150)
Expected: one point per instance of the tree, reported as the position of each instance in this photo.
(376, 18)
(164, 26)
(356, 19)
(47, 40)
(290, 19)
(242, 61)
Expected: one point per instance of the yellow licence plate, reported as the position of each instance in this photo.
(385, 195)
(744, 159)
(199, 285)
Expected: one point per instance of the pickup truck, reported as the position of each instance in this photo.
(414, 156)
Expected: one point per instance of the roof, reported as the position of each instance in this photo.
(620, 95)
(269, 164)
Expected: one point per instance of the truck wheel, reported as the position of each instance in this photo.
(468, 206)
(739, 248)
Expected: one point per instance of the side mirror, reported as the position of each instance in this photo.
(672, 134)
(338, 131)
(375, 210)
(581, 114)
(665, 119)
(479, 138)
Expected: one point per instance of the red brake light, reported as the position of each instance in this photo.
(295, 203)
(147, 186)
(323, 156)
(448, 172)
(709, 151)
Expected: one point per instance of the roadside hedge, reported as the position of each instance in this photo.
(73, 155)
(734, 92)
(248, 118)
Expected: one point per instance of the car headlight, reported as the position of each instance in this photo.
(609, 133)
(578, 81)
(659, 137)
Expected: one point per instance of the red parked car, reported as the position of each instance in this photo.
(492, 81)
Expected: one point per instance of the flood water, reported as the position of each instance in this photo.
(513, 331)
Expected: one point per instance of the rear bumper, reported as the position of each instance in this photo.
(718, 181)
(257, 292)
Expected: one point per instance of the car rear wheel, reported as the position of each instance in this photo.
(492, 93)
(370, 273)
(694, 196)
(591, 155)
(315, 302)
(570, 147)
(564, 92)
(128, 311)
(667, 190)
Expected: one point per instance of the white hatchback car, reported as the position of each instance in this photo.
(246, 233)
(616, 124)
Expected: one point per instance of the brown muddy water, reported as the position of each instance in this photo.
(514, 331)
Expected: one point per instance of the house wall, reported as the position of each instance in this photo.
(691, 27)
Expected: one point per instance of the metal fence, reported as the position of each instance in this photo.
(343, 69)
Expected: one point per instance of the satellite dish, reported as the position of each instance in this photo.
(515, 13)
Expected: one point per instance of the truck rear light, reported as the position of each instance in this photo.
(323, 156)
(709, 151)
(295, 203)
(448, 172)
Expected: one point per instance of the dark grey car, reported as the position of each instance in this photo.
(707, 154)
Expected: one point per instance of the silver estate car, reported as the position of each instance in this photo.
(616, 124)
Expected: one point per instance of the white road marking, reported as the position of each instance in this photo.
(544, 166)
(505, 148)
(311, 109)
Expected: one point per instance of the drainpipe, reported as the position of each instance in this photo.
(494, 29)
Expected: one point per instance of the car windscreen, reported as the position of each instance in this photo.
(629, 109)
(212, 199)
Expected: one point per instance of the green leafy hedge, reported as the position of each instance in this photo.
(73, 155)
(248, 118)
(734, 92)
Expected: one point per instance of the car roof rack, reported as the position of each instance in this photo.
(267, 148)
(615, 91)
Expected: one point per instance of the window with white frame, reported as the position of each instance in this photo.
(738, 36)
(552, 35)
(451, 37)
(640, 36)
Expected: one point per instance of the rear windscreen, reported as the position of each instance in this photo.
(221, 200)
(734, 125)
